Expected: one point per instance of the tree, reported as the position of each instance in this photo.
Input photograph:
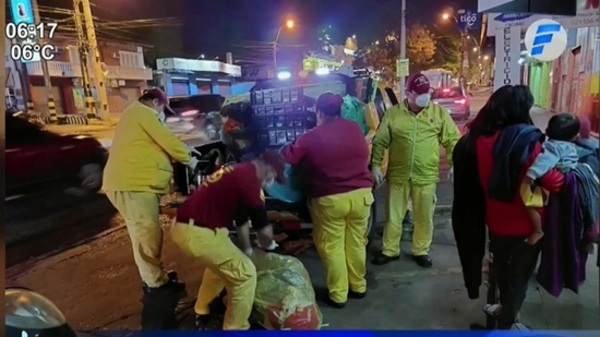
(447, 53)
(420, 47)
(381, 58)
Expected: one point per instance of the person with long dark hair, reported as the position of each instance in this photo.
(490, 163)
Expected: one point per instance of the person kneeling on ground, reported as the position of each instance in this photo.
(202, 230)
(335, 158)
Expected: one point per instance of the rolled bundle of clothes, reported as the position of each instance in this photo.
(571, 227)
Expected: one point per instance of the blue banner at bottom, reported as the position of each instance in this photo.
(401, 333)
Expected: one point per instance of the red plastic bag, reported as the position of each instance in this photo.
(284, 298)
(301, 319)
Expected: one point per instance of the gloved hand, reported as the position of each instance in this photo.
(193, 163)
(450, 175)
(377, 175)
(269, 248)
(194, 152)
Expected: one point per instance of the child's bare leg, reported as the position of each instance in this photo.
(536, 219)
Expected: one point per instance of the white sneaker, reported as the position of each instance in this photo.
(519, 327)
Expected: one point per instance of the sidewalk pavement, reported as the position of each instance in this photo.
(97, 287)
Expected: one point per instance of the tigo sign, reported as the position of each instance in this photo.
(546, 40)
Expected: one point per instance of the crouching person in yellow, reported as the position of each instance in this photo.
(334, 158)
(202, 230)
(412, 131)
(137, 174)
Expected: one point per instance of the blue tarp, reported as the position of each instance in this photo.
(354, 109)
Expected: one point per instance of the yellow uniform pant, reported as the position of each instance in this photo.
(226, 267)
(141, 210)
(340, 236)
(423, 206)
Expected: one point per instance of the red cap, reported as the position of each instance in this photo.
(156, 93)
(275, 160)
(418, 83)
(330, 103)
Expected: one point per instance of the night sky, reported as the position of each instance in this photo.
(212, 27)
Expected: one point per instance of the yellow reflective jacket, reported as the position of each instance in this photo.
(139, 159)
(414, 142)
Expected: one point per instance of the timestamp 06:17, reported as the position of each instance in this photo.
(22, 31)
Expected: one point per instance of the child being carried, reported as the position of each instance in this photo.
(559, 152)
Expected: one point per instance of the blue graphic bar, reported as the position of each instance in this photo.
(548, 28)
(399, 333)
(537, 50)
(542, 39)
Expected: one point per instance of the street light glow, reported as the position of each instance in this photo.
(475, 49)
(284, 75)
(445, 16)
(486, 57)
(290, 23)
(322, 71)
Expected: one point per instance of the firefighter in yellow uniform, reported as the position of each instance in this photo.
(412, 132)
(137, 174)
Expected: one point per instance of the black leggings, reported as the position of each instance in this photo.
(514, 262)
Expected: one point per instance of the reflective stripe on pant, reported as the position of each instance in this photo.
(141, 210)
(226, 267)
(341, 222)
(423, 201)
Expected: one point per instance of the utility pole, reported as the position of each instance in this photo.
(402, 79)
(46, 72)
(90, 105)
(463, 55)
(97, 63)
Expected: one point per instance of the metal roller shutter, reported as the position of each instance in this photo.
(40, 99)
(180, 88)
(120, 98)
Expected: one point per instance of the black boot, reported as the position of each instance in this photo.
(381, 259)
(159, 306)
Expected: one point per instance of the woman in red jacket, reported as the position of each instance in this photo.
(489, 168)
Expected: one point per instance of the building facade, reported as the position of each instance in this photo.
(123, 66)
(182, 77)
(571, 82)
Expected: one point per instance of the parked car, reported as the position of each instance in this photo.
(37, 159)
(455, 100)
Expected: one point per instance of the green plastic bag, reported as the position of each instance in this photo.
(354, 109)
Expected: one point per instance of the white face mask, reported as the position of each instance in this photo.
(423, 100)
(161, 116)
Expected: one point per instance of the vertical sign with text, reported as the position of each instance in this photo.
(468, 20)
(507, 70)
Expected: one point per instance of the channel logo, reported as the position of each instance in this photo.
(546, 40)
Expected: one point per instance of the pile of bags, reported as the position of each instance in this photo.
(285, 298)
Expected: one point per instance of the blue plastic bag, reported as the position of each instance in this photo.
(289, 192)
(286, 192)
(354, 109)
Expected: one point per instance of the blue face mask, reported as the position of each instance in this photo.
(423, 100)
